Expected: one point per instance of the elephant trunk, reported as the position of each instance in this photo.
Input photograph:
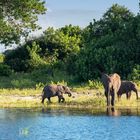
(137, 97)
(135, 90)
(69, 94)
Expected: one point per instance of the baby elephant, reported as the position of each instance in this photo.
(126, 87)
(55, 90)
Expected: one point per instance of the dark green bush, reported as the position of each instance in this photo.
(113, 42)
(5, 70)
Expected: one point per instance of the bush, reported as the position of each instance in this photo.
(20, 83)
(5, 70)
(1, 58)
(94, 84)
(135, 75)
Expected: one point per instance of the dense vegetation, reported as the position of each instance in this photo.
(72, 54)
(18, 19)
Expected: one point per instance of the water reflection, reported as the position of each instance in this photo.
(123, 112)
(111, 111)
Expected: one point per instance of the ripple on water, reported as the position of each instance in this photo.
(57, 124)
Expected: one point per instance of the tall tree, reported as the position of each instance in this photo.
(112, 42)
(18, 18)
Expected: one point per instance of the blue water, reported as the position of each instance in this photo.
(66, 125)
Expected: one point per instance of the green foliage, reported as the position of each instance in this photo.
(5, 70)
(112, 42)
(24, 58)
(39, 85)
(22, 83)
(73, 54)
(17, 59)
(35, 60)
(62, 42)
(94, 84)
(59, 83)
(18, 18)
(1, 58)
(135, 75)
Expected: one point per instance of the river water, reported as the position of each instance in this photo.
(58, 124)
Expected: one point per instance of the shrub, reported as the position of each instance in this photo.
(21, 83)
(94, 84)
(39, 85)
(135, 75)
(5, 70)
(1, 58)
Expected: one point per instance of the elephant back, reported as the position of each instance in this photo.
(116, 82)
(50, 90)
(105, 80)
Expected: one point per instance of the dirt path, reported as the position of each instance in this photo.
(19, 97)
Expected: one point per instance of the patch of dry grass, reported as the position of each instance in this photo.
(84, 98)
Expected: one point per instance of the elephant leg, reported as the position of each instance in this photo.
(107, 95)
(42, 100)
(119, 97)
(63, 99)
(127, 95)
(49, 99)
(60, 97)
(112, 98)
(108, 99)
(135, 90)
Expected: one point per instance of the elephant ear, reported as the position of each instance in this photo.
(64, 88)
(60, 88)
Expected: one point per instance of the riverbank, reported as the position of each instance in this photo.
(87, 98)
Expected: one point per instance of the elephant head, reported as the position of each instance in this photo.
(65, 90)
(111, 85)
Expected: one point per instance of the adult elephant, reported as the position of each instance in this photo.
(126, 87)
(111, 85)
(55, 90)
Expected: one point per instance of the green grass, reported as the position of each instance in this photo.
(24, 90)
(84, 98)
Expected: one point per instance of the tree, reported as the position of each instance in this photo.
(139, 6)
(112, 42)
(62, 42)
(18, 18)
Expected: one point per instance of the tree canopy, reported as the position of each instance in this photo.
(18, 18)
(113, 42)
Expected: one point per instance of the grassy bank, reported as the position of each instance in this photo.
(24, 90)
(82, 98)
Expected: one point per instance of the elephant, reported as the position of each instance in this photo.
(55, 90)
(126, 87)
(111, 85)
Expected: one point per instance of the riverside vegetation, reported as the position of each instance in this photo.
(86, 95)
(69, 56)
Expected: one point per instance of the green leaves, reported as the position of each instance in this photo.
(111, 42)
(63, 41)
(18, 18)
(35, 60)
